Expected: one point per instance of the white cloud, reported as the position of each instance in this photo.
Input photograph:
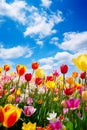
(15, 52)
(15, 10)
(63, 57)
(36, 21)
(54, 41)
(46, 3)
(48, 60)
(74, 41)
(43, 24)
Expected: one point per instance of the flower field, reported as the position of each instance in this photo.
(35, 101)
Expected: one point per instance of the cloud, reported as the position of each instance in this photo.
(74, 42)
(63, 57)
(15, 10)
(46, 3)
(54, 41)
(48, 60)
(36, 21)
(15, 52)
(43, 24)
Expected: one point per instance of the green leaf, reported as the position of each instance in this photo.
(69, 125)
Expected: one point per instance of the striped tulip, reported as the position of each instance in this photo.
(21, 69)
(9, 115)
(6, 67)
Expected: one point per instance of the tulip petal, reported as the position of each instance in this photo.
(12, 119)
(1, 115)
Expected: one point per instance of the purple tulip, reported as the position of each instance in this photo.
(72, 103)
(29, 110)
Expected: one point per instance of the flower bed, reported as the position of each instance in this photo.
(35, 101)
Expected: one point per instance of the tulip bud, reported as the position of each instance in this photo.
(82, 75)
(63, 69)
(35, 65)
(28, 77)
(84, 95)
(6, 67)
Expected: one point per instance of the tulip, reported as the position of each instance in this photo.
(51, 84)
(72, 103)
(28, 77)
(81, 62)
(38, 81)
(0, 70)
(6, 67)
(63, 69)
(74, 74)
(40, 73)
(84, 95)
(29, 110)
(34, 65)
(20, 69)
(82, 75)
(9, 115)
(57, 125)
(29, 126)
(69, 91)
(55, 73)
(50, 78)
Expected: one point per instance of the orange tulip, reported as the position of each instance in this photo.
(7, 67)
(9, 115)
(21, 69)
(35, 65)
(70, 80)
(74, 74)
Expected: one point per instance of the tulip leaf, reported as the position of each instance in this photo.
(69, 125)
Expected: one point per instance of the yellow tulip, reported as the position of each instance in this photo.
(81, 62)
(84, 95)
(9, 115)
(10, 98)
(29, 126)
(18, 93)
(51, 84)
(40, 73)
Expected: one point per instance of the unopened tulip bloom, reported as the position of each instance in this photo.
(34, 65)
(84, 95)
(28, 77)
(82, 75)
(6, 67)
(64, 68)
(21, 69)
(9, 115)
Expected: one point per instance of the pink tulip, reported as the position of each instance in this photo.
(72, 103)
(29, 110)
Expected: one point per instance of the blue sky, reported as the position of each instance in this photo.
(50, 32)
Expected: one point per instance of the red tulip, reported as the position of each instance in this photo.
(28, 77)
(35, 65)
(38, 81)
(50, 78)
(68, 91)
(6, 67)
(82, 75)
(63, 69)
